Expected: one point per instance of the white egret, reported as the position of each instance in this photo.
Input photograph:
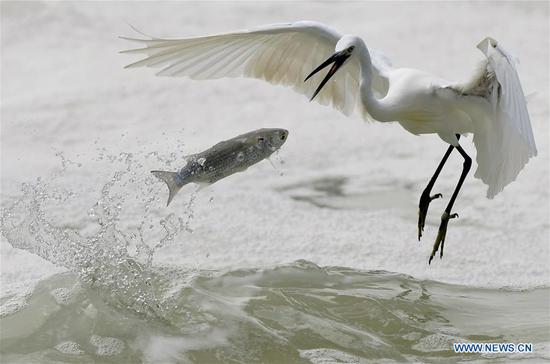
(491, 105)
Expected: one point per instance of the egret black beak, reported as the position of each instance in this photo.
(338, 60)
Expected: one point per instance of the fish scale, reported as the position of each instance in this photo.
(224, 159)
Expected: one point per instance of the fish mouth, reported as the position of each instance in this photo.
(284, 135)
(337, 60)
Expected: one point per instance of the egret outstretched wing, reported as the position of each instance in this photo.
(280, 54)
(504, 139)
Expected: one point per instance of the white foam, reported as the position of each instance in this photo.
(436, 342)
(69, 347)
(14, 304)
(64, 296)
(171, 349)
(107, 346)
(330, 356)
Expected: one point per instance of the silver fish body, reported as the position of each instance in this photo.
(224, 159)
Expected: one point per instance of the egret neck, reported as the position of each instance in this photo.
(379, 109)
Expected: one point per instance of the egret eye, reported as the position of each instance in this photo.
(350, 49)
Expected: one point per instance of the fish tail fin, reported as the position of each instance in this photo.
(173, 180)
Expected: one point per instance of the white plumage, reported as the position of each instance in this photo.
(503, 136)
(491, 106)
(279, 54)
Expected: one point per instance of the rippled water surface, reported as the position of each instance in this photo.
(294, 313)
(114, 304)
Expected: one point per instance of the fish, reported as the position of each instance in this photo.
(224, 159)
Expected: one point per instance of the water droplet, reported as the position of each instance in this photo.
(33, 227)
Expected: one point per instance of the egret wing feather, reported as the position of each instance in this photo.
(512, 99)
(279, 54)
(502, 130)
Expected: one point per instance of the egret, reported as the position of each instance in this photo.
(491, 105)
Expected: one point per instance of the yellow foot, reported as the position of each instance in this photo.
(425, 200)
(440, 240)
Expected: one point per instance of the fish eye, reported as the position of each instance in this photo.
(261, 139)
(283, 136)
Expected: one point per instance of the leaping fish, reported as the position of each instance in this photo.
(224, 159)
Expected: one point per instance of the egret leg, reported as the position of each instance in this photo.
(447, 215)
(425, 198)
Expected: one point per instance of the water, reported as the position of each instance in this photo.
(291, 313)
(114, 305)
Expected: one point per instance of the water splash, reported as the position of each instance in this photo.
(105, 253)
(277, 157)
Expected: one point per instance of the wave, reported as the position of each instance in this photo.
(292, 313)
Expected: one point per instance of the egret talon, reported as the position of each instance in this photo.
(452, 216)
(425, 200)
(440, 239)
(437, 195)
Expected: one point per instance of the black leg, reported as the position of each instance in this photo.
(425, 198)
(447, 215)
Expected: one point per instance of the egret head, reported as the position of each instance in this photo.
(342, 53)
